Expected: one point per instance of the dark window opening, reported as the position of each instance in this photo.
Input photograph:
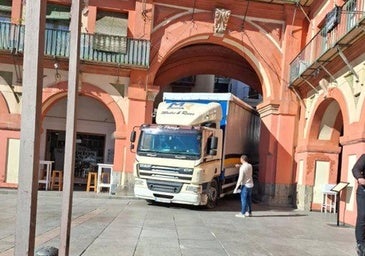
(58, 17)
(89, 152)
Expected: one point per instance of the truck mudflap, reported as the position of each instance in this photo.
(183, 197)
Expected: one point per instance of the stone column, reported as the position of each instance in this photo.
(141, 96)
(276, 174)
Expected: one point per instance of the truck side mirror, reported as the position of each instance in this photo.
(132, 139)
(212, 146)
(214, 142)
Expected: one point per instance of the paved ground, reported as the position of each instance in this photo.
(123, 225)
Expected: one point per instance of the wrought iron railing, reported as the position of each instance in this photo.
(132, 52)
(351, 15)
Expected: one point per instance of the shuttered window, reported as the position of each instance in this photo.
(5, 10)
(111, 32)
(58, 16)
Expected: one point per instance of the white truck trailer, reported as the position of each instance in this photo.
(189, 155)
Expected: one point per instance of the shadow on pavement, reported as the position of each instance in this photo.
(231, 203)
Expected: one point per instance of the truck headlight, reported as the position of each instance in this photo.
(195, 189)
(144, 166)
(138, 182)
(187, 170)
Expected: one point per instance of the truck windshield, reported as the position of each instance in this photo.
(170, 143)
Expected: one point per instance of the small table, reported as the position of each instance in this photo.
(105, 168)
(47, 179)
(329, 198)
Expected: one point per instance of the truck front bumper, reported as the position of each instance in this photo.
(185, 196)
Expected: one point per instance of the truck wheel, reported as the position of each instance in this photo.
(212, 194)
(150, 201)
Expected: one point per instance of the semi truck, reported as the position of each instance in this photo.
(188, 155)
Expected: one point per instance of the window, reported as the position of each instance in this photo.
(350, 9)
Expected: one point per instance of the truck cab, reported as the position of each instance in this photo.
(176, 163)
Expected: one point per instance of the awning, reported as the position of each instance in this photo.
(5, 6)
(109, 25)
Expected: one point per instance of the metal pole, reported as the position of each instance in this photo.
(71, 118)
(311, 85)
(337, 207)
(342, 55)
(326, 70)
(30, 128)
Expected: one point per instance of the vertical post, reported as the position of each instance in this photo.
(30, 128)
(73, 77)
(337, 207)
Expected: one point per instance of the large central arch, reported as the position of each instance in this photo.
(187, 61)
(248, 55)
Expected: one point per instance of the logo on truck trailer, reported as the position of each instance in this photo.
(182, 107)
(177, 105)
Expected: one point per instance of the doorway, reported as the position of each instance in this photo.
(89, 152)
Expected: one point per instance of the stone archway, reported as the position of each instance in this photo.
(261, 44)
(228, 56)
(207, 59)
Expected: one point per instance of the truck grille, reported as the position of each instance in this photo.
(165, 173)
(164, 186)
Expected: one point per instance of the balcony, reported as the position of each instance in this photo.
(100, 49)
(325, 45)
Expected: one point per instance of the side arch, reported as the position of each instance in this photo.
(55, 92)
(3, 105)
(361, 124)
(321, 154)
(9, 97)
(318, 112)
(8, 121)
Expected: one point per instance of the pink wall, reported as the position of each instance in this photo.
(5, 135)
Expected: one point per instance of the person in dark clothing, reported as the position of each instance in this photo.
(358, 172)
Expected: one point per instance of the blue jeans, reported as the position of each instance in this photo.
(246, 200)
(360, 220)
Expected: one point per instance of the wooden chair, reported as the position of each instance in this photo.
(92, 181)
(57, 180)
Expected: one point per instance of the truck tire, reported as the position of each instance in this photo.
(212, 194)
(150, 201)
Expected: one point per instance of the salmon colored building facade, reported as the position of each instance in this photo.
(305, 58)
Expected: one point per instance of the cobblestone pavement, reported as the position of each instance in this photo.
(122, 225)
